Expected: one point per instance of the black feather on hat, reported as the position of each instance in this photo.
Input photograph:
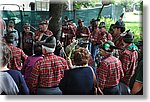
(119, 24)
(129, 37)
(102, 24)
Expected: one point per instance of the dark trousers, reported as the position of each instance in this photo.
(112, 91)
(28, 52)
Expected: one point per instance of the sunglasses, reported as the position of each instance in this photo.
(26, 28)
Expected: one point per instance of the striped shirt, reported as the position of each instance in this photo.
(17, 59)
(129, 62)
(109, 72)
(47, 72)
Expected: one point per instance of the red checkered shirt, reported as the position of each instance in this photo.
(109, 72)
(69, 34)
(118, 41)
(47, 72)
(38, 33)
(17, 59)
(84, 30)
(129, 62)
(109, 36)
(95, 35)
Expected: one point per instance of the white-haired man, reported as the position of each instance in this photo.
(47, 72)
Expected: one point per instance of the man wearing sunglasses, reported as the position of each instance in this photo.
(27, 39)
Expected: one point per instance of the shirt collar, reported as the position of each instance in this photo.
(48, 54)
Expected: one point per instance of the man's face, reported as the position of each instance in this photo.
(103, 29)
(10, 28)
(27, 29)
(80, 24)
(94, 24)
(101, 51)
(43, 27)
(116, 31)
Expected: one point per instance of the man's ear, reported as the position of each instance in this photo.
(43, 50)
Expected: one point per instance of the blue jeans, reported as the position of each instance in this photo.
(49, 91)
(94, 50)
(112, 91)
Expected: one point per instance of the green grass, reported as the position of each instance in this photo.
(136, 28)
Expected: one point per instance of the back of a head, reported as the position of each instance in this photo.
(10, 37)
(120, 24)
(6, 54)
(37, 49)
(49, 44)
(81, 56)
(11, 23)
(129, 37)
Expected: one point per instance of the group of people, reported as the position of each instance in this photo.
(28, 64)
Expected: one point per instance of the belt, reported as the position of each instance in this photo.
(110, 87)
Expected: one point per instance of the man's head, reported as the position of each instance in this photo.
(102, 26)
(128, 38)
(107, 48)
(48, 45)
(26, 27)
(43, 25)
(80, 23)
(111, 30)
(81, 56)
(11, 25)
(37, 49)
(10, 37)
(94, 22)
(119, 27)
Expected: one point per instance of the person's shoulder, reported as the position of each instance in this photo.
(126, 52)
(14, 72)
(61, 58)
(31, 32)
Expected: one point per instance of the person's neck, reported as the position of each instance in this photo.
(3, 68)
(107, 55)
(126, 45)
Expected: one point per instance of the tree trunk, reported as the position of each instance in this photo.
(55, 24)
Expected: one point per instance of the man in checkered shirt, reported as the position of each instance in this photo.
(128, 57)
(109, 71)
(18, 56)
(47, 72)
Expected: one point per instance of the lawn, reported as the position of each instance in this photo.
(136, 28)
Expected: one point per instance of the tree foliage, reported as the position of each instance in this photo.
(85, 4)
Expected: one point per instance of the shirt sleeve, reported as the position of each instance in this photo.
(23, 56)
(23, 87)
(33, 82)
(125, 59)
(139, 76)
(102, 74)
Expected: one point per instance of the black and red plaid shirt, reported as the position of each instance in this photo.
(118, 41)
(38, 34)
(47, 72)
(84, 30)
(69, 35)
(17, 59)
(109, 72)
(129, 62)
(97, 37)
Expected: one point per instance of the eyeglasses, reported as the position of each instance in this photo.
(26, 28)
